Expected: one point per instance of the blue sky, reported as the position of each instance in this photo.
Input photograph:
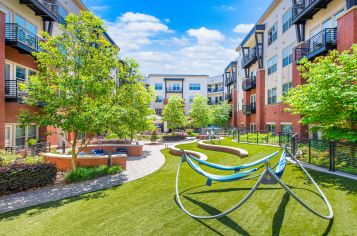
(195, 37)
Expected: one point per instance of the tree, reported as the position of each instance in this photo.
(174, 112)
(73, 81)
(200, 112)
(220, 114)
(132, 103)
(329, 98)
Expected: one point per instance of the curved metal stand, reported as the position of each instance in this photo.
(263, 178)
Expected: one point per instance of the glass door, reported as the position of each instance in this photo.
(8, 136)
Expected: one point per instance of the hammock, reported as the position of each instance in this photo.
(268, 176)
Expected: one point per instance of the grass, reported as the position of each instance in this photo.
(147, 207)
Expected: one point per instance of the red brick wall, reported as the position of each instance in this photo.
(260, 96)
(234, 107)
(347, 29)
(23, 59)
(2, 80)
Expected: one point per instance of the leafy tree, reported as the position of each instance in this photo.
(174, 112)
(220, 114)
(73, 81)
(132, 103)
(329, 98)
(200, 112)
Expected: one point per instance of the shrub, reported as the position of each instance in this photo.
(111, 136)
(18, 177)
(7, 158)
(33, 160)
(82, 174)
(154, 137)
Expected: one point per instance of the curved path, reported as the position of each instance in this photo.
(137, 167)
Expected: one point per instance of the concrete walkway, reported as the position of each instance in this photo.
(137, 167)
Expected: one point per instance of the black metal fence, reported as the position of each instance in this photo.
(33, 150)
(332, 155)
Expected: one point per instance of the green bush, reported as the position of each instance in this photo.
(33, 160)
(82, 174)
(7, 158)
(111, 136)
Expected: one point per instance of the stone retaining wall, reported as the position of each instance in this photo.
(232, 150)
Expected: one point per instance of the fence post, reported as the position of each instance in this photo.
(247, 137)
(63, 147)
(110, 160)
(309, 150)
(49, 146)
(332, 156)
(238, 136)
(279, 139)
(257, 136)
(267, 137)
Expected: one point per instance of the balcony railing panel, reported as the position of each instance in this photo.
(21, 38)
(305, 9)
(252, 57)
(214, 90)
(231, 79)
(248, 84)
(249, 109)
(48, 9)
(317, 45)
(171, 90)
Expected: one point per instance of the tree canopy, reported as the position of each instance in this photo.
(328, 100)
(220, 114)
(174, 112)
(200, 112)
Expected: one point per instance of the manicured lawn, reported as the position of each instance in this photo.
(147, 206)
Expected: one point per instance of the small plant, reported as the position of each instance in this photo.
(111, 136)
(31, 142)
(154, 137)
(82, 174)
(7, 158)
(33, 160)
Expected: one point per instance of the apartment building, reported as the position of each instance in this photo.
(167, 85)
(20, 23)
(271, 51)
(231, 95)
(215, 89)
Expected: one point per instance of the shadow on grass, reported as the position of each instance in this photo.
(224, 220)
(279, 215)
(34, 210)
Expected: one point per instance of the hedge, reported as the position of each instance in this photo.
(21, 176)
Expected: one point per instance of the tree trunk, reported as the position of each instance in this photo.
(74, 152)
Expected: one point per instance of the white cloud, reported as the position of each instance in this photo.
(243, 28)
(225, 7)
(205, 36)
(131, 31)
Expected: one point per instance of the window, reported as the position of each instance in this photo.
(191, 99)
(287, 55)
(21, 73)
(31, 132)
(174, 87)
(287, 87)
(253, 101)
(286, 128)
(273, 34)
(8, 14)
(272, 65)
(287, 20)
(62, 14)
(272, 96)
(20, 136)
(195, 87)
(253, 126)
(158, 86)
(270, 127)
(158, 99)
(158, 111)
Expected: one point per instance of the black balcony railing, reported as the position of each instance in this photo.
(229, 97)
(318, 44)
(249, 84)
(21, 38)
(214, 90)
(48, 9)
(12, 90)
(249, 59)
(249, 109)
(214, 102)
(305, 9)
(231, 78)
(174, 90)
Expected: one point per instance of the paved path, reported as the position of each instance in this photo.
(137, 167)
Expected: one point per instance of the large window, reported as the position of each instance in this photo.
(174, 88)
(158, 99)
(253, 101)
(21, 73)
(272, 65)
(287, 87)
(286, 128)
(287, 55)
(287, 20)
(253, 126)
(195, 87)
(270, 127)
(272, 96)
(273, 34)
(158, 86)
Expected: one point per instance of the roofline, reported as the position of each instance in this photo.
(176, 75)
(230, 64)
(251, 32)
(107, 36)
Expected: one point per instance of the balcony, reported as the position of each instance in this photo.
(214, 90)
(249, 84)
(214, 102)
(174, 90)
(305, 9)
(12, 93)
(317, 45)
(47, 9)
(249, 109)
(229, 97)
(21, 38)
(250, 58)
(231, 78)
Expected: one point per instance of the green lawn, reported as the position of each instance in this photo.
(147, 206)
